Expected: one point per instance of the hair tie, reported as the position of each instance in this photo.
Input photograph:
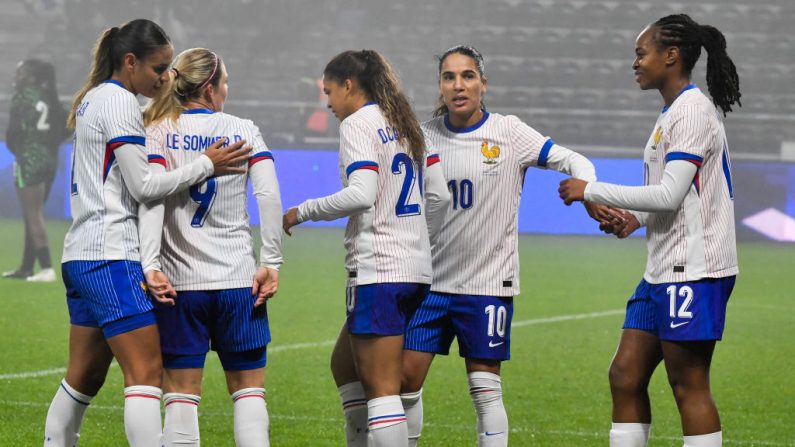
(209, 78)
(176, 73)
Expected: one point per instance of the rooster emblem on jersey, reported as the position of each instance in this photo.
(491, 154)
(657, 137)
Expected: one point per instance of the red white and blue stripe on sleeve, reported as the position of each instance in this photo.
(111, 145)
(365, 164)
(432, 160)
(159, 159)
(258, 157)
(695, 159)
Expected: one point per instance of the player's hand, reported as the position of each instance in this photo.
(160, 287)
(602, 213)
(289, 220)
(228, 160)
(266, 283)
(629, 227)
(572, 190)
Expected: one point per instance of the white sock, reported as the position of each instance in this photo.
(354, 406)
(710, 440)
(142, 415)
(65, 415)
(629, 434)
(485, 389)
(412, 405)
(252, 424)
(181, 426)
(386, 422)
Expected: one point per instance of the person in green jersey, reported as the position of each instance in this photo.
(36, 127)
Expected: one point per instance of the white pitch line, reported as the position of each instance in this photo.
(309, 345)
(457, 427)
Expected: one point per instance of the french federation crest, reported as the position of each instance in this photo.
(657, 137)
(491, 153)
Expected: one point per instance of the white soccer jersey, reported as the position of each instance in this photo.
(104, 213)
(388, 242)
(477, 249)
(207, 244)
(698, 239)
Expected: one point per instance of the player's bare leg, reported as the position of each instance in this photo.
(635, 360)
(354, 402)
(416, 365)
(181, 396)
(485, 389)
(687, 364)
(89, 360)
(251, 420)
(138, 354)
(378, 364)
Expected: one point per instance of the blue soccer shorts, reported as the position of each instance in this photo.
(382, 309)
(482, 325)
(684, 311)
(225, 321)
(111, 295)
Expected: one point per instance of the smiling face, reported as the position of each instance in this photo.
(147, 75)
(651, 62)
(461, 86)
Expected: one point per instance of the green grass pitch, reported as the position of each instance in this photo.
(555, 386)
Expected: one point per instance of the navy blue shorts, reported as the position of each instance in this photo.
(222, 320)
(382, 309)
(685, 311)
(107, 294)
(482, 325)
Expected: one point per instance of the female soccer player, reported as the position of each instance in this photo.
(475, 259)
(110, 312)
(207, 253)
(36, 127)
(678, 311)
(383, 170)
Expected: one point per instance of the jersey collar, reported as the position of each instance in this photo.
(113, 81)
(195, 111)
(687, 87)
(471, 128)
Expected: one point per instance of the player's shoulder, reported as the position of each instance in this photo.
(433, 125)
(694, 104)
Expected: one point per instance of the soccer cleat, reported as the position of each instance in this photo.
(20, 274)
(46, 275)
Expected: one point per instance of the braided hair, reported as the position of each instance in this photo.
(679, 30)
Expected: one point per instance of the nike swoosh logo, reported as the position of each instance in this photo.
(674, 326)
(488, 433)
(494, 345)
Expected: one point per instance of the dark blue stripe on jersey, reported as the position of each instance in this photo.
(113, 81)
(127, 139)
(195, 111)
(159, 159)
(475, 126)
(687, 87)
(259, 156)
(361, 165)
(370, 103)
(727, 173)
(544, 154)
(695, 159)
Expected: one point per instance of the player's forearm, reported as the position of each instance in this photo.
(665, 197)
(266, 190)
(145, 184)
(569, 162)
(437, 200)
(150, 233)
(357, 197)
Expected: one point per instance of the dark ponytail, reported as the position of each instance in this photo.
(680, 31)
(140, 37)
(376, 78)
